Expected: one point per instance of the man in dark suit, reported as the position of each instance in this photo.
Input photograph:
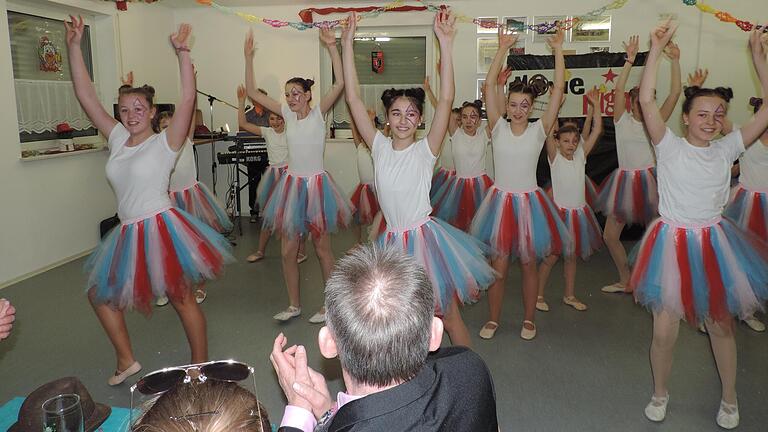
(379, 308)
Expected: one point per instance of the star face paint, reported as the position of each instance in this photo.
(404, 118)
(296, 98)
(470, 119)
(135, 113)
(519, 107)
(705, 119)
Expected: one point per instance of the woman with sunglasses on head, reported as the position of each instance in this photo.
(305, 201)
(403, 169)
(516, 218)
(158, 249)
(693, 263)
(458, 199)
(629, 195)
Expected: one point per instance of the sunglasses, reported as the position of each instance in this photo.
(165, 379)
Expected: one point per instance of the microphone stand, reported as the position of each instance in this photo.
(211, 99)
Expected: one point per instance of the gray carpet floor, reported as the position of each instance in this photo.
(585, 371)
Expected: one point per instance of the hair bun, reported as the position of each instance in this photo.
(149, 89)
(310, 83)
(725, 92)
(755, 101)
(691, 91)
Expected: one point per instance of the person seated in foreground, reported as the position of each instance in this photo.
(381, 325)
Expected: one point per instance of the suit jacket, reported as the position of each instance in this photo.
(452, 392)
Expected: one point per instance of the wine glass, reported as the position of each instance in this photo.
(63, 413)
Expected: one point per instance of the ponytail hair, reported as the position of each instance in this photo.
(693, 92)
(415, 95)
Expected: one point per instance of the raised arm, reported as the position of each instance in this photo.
(329, 39)
(192, 126)
(755, 127)
(672, 51)
(619, 97)
(506, 42)
(128, 80)
(242, 122)
(249, 48)
(698, 77)
(445, 30)
(429, 92)
(593, 96)
(178, 128)
(357, 109)
(501, 84)
(551, 143)
(84, 90)
(556, 91)
(587, 122)
(654, 122)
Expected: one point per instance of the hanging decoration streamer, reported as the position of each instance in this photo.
(122, 5)
(726, 17)
(399, 5)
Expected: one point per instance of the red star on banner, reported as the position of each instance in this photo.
(609, 76)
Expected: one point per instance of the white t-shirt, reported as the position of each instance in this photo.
(364, 164)
(277, 146)
(753, 166)
(306, 141)
(568, 179)
(469, 152)
(694, 181)
(184, 174)
(633, 146)
(446, 154)
(516, 157)
(140, 175)
(403, 179)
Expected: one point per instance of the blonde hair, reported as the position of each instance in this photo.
(232, 408)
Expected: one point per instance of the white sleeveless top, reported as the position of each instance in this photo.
(277, 146)
(469, 152)
(516, 157)
(568, 179)
(403, 179)
(184, 174)
(306, 141)
(633, 146)
(364, 164)
(753, 166)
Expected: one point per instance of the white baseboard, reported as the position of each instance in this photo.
(5, 284)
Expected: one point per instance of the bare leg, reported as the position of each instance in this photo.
(496, 291)
(113, 323)
(569, 269)
(665, 329)
(612, 237)
(723, 342)
(454, 325)
(303, 246)
(325, 256)
(544, 269)
(195, 326)
(263, 239)
(289, 251)
(530, 287)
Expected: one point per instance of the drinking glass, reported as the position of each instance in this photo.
(63, 413)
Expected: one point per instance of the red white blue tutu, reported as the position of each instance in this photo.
(631, 196)
(302, 205)
(454, 261)
(749, 209)
(365, 203)
(585, 232)
(590, 192)
(198, 201)
(713, 271)
(458, 199)
(162, 254)
(267, 184)
(524, 225)
(438, 180)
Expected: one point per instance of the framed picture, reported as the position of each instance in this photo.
(595, 29)
(595, 49)
(518, 25)
(486, 50)
(542, 37)
(480, 83)
(488, 25)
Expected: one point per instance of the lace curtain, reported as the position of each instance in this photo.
(41, 105)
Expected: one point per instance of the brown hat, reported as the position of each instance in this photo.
(31, 415)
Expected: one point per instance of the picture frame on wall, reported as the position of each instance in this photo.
(488, 25)
(479, 90)
(593, 29)
(486, 50)
(518, 25)
(542, 37)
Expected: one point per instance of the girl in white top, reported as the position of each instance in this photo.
(158, 249)
(458, 199)
(590, 188)
(277, 153)
(692, 262)
(305, 200)
(364, 197)
(453, 260)
(516, 218)
(567, 156)
(629, 195)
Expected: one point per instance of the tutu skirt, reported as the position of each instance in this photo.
(454, 261)
(712, 272)
(585, 232)
(749, 209)
(524, 225)
(365, 203)
(306, 205)
(458, 199)
(438, 180)
(198, 201)
(267, 184)
(630, 196)
(591, 192)
(160, 255)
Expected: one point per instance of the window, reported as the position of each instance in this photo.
(45, 96)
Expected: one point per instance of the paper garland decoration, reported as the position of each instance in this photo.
(725, 16)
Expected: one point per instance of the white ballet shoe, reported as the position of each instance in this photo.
(656, 410)
(119, 377)
(727, 415)
(287, 314)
